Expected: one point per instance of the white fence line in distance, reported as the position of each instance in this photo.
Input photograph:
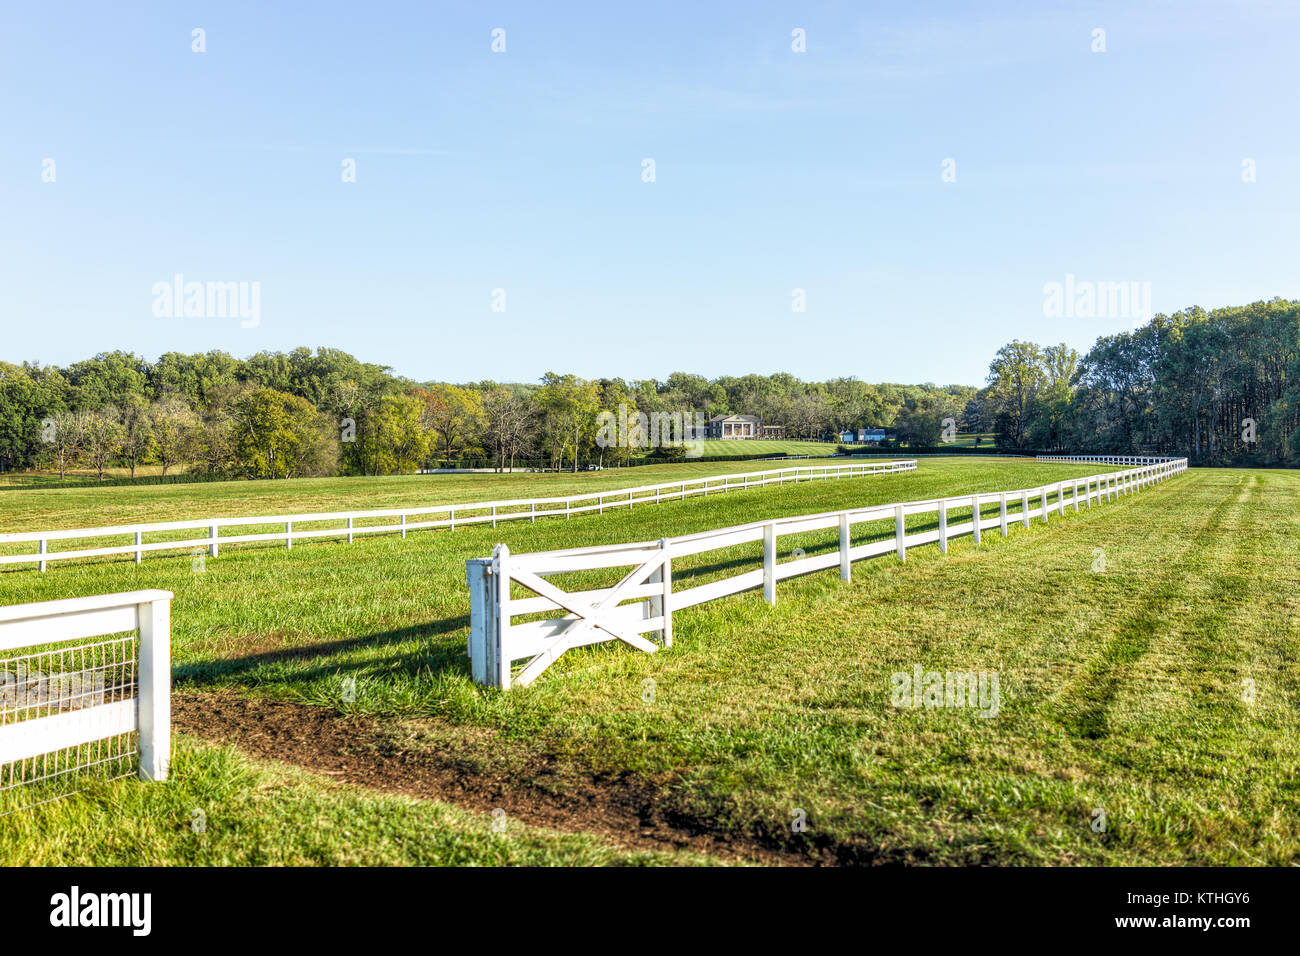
(518, 509)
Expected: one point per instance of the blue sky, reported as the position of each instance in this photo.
(522, 171)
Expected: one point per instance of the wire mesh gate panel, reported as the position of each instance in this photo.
(77, 705)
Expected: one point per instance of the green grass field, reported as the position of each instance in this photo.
(711, 447)
(1121, 690)
(50, 506)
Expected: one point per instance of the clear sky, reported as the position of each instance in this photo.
(522, 171)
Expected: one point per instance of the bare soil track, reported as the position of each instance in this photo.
(404, 757)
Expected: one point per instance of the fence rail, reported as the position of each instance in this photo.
(67, 708)
(603, 614)
(469, 514)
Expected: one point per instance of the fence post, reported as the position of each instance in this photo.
(288, 535)
(42, 551)
(900, 534)
(1045, 505)
(452, 516)
(403, 526)
(139, 555)
(532, 512)
(943, 526)
(1060, 499)
(501, 591)
(1004, 514)
(975, 516)
(494, 517)
(1074, 494)
(212, 546)
(349, 530)
(666, 598)
(154, 715)
(846, 566)
(1024, 508)
(769, 562)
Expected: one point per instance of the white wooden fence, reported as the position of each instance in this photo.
(594, 616)
(461, 514)
(57, 697)
(1107, 459)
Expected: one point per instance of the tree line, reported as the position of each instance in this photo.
(1218, 387)
(1221, 386)
(325, 412)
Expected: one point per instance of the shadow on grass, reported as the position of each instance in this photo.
(437, 656)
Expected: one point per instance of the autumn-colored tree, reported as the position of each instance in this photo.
(174, 427)
(101, 437)
(455, 416)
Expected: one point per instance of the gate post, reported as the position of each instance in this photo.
(154, 706)
(489, 597)
(661, 604)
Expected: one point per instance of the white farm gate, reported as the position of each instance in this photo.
(73, 709)
(643, 601)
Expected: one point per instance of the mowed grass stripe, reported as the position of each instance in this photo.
(1156, 590)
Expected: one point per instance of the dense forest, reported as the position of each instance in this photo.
(1218, 387)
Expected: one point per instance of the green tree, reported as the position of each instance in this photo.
(569, 406)
(1016, 375)
(278, 435)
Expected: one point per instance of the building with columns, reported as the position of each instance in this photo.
(742, 426)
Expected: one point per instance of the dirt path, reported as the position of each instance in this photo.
(403, 757)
